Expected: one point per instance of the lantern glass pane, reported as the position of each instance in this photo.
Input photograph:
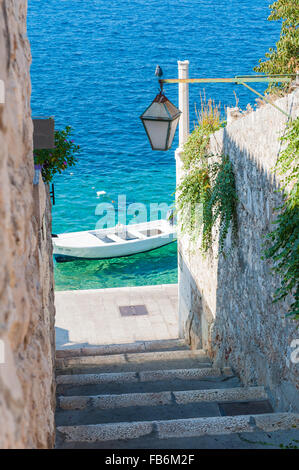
(157, 131)
(157, 110)
(173, 127)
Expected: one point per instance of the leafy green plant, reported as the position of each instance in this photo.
(193, 195)
(207, 195)
(56, 160)
(208, 121)
(285, 58)
(195, 149)
(283, 242)
(223, 201)
(287, 164)
(206, 198)
(208, 116)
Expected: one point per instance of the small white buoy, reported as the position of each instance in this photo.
(100, 193)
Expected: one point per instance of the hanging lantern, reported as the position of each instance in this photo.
(160, 121)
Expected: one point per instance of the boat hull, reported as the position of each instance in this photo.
(65, 258)
(100, 245)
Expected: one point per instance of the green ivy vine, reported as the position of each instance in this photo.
(283, 242)
(194, 193)
(223, 201)
(207, 194)
(207, 198)
(195, 149)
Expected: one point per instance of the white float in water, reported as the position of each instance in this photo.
(100, 193)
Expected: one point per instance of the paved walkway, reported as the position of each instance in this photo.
(92, 317)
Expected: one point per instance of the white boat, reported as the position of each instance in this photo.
(121, 240)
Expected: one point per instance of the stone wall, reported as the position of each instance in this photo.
(26, 276)
(225, 305)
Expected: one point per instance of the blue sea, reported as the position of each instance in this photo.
(93, 64)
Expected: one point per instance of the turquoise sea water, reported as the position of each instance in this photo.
(93, 68)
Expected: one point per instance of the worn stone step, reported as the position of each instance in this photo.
(138, 346)
(132, 414)
(157, 381)
(178, 428)
(176, 359)
(111, 401)
(240, 440)
(207, 382)
(158, 412)
(166, 406)
(146, 381)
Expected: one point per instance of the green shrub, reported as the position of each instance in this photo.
(206, 196)
(58, 159)
(195, 149)
(284, 59)
(208, 121)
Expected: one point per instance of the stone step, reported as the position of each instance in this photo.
(205, 383)
(158, 406)
(177, 428)
(175, 359)
(112, 401)
(146, 381)
(241, 440)
(159, 412)
(138, 346)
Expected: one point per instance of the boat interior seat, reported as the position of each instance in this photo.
(128, 235)
(103, 238)
(151, 232)
(115, 237)
(137, 234)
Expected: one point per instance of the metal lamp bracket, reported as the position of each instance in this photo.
(52, 194)
(262, 97)
(240, 80)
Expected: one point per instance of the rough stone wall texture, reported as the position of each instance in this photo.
(26, 271)
(225, 305)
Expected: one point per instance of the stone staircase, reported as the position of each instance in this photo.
(160, 394)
